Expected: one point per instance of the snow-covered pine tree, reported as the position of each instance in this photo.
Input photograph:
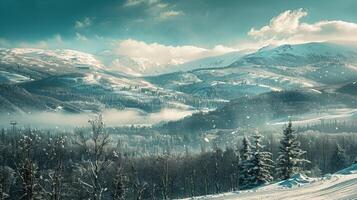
(339, 159)
(245, 165)
(261, 162)
(290, 155)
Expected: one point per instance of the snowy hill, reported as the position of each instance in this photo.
(339, 186)
(48, 60)
(26, 64)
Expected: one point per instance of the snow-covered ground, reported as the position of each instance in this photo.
(339, 186)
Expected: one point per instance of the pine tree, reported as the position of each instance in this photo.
(290, 155)
(339, 159)
(261, 162)
(245, 165)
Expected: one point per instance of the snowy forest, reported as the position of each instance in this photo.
(89, 164)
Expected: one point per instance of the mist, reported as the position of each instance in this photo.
(112, 118)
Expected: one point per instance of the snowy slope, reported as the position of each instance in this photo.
(300, 54)
(339, 186)
(210, 62)
(25, 64)
(43, 58)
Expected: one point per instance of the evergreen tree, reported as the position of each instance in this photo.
(261, 162)
(339, 159)
(245, 165)
(290, 154)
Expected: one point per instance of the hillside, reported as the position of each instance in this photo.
(262, 109)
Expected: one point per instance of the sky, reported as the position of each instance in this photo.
(173, 31)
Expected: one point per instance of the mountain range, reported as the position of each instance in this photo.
(270, 83)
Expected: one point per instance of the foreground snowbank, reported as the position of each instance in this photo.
(339, 186)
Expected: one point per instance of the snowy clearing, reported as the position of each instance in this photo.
(339, 186)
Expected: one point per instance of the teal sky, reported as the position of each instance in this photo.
(203, 23)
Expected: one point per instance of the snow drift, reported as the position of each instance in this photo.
(339, 186)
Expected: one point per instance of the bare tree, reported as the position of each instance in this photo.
(98, 159)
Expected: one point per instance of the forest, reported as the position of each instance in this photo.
(90, 164)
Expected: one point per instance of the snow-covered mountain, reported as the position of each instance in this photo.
(77, 81)
(295, 55)
(304, 66)
(46, 80)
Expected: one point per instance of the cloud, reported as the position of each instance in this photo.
(284, 24)
(288, 27)
(151, 57)
(156, 9)
(86, 22)
(162, 5)
(81, 37)
(169, 14)
(129, 3)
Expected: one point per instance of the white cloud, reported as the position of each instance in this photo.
(159, 55)
(288, 28)
(169, 14)
(129, 3)
(81, 37)
(157, 9)
(162, 5)
(86, 22)
(284, 24)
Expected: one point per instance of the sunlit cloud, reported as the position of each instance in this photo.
(167, 54)
(170, 14)
(288, 27)
(154, 56)
(129, 3)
